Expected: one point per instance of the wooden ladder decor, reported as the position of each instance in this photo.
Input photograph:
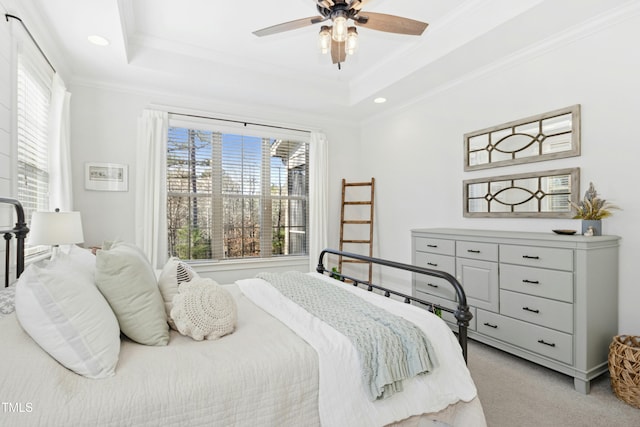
(358, 222)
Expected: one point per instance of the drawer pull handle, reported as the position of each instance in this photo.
(432, 285)
(550, 344)
(433, 264)
(531, 310)
(473, 251)
(533, 282)
(490, 325)
(530, 257)
(432, 246)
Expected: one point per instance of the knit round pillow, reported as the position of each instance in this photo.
(204, 310)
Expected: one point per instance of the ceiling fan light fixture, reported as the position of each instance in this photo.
(324, 39)
(338, 38)
(339, 30)
(352, 41)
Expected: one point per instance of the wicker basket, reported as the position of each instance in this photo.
(624, 367)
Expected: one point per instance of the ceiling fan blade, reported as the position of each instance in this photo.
(390, 23)
(325, 3)
(358, 4)
(291, 25)
(338, 51)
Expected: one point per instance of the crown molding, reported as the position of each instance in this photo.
(591, 26)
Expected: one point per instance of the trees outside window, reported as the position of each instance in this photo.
(234, 196)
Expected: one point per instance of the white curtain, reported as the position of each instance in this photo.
(318, 196)
(151, 197)
(60, 183)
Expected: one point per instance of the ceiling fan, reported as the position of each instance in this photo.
(340, 38)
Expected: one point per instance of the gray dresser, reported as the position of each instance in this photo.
(551, 299)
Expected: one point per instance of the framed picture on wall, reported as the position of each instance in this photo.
(106, 177)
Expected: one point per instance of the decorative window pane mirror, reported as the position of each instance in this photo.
(547, 136)
(537, 194)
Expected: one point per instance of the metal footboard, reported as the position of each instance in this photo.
(461, 313)
(20, 232)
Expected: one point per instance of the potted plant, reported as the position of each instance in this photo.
(591, 210)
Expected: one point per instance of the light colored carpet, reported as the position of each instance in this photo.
(518, 393)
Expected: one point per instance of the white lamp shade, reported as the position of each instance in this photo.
(55, 228)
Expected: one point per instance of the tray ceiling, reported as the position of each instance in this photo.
(203, 48)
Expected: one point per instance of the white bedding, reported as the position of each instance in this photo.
(342, 398)
(234, 381)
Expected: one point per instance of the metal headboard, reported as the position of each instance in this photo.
(20, 232)
(462, 313)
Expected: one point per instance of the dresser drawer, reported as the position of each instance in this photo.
(436, 246)
(541, 311)
(436, 262)
(476, 250)
(435, 285)
(534, 256)
(546, 342)
(552, 284)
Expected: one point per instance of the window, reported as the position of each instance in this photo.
(33, 96)
(234, 195)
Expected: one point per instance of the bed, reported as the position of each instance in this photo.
(268, 372)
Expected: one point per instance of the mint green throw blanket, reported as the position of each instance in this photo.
(390, 348)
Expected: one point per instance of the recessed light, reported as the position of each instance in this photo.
(98, 40)
(380, 100)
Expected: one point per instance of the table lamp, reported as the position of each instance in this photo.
(55, 228)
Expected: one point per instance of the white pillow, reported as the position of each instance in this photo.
(204, 310)
(173, 274)
(126, 279)
(66, 315)
(84, 260)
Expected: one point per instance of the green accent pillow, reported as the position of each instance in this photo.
(126, 279)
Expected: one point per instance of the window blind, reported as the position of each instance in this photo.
(231, 195)
(32, 111)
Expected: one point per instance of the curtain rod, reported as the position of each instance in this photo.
(239, 121)
(7, 16)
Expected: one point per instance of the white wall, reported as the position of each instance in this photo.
(104, 128)
(5, 132)
(416, 153)
(6, 77)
